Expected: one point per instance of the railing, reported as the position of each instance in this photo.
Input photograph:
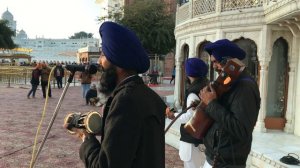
(207, 7)
(15, 75)
(182, 13)
(204, 7)
(229, 5)
(21, 75)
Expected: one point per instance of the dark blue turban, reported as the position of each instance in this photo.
(195, 67)
(122, 47)
(225, 48)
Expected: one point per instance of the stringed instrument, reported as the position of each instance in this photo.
(199, 124)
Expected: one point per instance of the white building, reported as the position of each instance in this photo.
(88, 54)
(56, 49)
(268, 31)
(49, 49)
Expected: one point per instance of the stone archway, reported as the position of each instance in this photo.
(202, 54)
(277, 91)
(251, 59)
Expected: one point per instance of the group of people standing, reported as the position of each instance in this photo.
(40, 75)
(133, 123)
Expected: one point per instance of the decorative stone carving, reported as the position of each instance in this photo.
(279, 10)
(246, 19)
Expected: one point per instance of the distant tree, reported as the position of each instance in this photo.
(115, 15)
(150, 21)
(6, 34)
(81, 34)
(152, 24)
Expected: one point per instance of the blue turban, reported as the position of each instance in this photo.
(224, 48)
(195, 67)
(122, 47)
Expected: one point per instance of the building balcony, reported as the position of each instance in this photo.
(271, 10)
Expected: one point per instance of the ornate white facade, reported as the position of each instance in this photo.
(270, 32)
(259, 21)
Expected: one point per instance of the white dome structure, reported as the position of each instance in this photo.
(10, 18)
(21, 34)
(7, 16)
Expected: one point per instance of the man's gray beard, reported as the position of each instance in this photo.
(108, 81)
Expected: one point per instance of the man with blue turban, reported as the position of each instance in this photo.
(228, 140)
(132, 134)
(196, 72)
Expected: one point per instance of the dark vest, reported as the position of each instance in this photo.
(195, 87)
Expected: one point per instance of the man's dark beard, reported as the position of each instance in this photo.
(108, 81)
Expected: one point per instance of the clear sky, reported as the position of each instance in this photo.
(54, 18)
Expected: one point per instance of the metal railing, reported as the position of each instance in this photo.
(229, 5)
(21, 75)
(197, 8)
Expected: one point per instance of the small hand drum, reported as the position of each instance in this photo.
(90, 121)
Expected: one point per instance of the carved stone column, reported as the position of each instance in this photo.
(178, 78)
(191, 11)
(290, 113)
(178, 62)
(192, 52)
(297, 99)
(218, 6)
(264, 55)
(260, 124)
(291, 97)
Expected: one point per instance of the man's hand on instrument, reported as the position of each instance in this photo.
(207, 94)
(194, 104)
(80, 133)
(170, 113)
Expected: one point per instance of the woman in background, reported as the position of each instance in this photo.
(35, 80)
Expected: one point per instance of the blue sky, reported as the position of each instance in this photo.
(54, 18)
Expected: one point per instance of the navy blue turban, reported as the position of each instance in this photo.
(195, 67)
(224, 48)
(122, 47)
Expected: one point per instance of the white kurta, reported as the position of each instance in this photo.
(187, 151)
(207, 165)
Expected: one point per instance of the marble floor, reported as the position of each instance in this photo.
(270, 146)
(21, 116)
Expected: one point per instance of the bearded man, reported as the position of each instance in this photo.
(132, 134)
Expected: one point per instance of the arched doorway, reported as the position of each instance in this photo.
(185, 51)
(202, 54)
(251, 60)
(278, 86)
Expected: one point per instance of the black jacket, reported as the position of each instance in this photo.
(234, 114)
(35, 77)
(61, 71)
(132, 131)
